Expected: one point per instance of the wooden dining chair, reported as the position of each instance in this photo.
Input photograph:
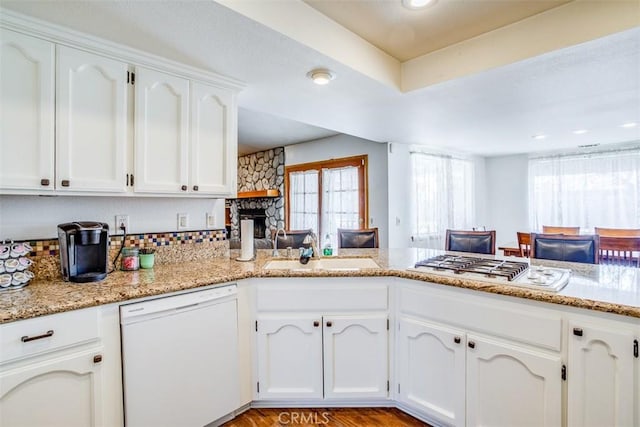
(620, 251)
(561, 247)
(293, 240)
(552, 229)
(618, 232)
(524, 244)
(364, 238)
(479, 242)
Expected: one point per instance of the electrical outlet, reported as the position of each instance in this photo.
(210, 220)
(183, 221)
(121, 220)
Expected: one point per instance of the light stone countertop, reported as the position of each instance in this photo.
(598, 287)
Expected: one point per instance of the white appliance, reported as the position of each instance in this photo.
(180, 358)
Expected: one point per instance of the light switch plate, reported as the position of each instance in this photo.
(183, 221)
(210, 220)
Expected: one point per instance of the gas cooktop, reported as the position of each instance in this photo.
(496, 271)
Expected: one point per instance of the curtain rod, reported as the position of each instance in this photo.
(584, 154)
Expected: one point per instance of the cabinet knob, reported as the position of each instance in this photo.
(65, 183)
(457, 340)
(97, 358)
(329, 324)
(472, 344)
(195, 188)
(577, 332)
(44, 182)
(316, 323)
(183, 188)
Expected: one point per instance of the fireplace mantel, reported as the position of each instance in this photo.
(258, 194)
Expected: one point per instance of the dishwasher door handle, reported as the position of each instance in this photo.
(187, 306)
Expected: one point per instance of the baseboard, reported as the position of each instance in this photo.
(323, 403)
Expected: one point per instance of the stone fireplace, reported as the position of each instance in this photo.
(259, 171)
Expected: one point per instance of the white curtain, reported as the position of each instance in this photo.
(441, 197)
(303, 200)
(588, 190)
(340, 201)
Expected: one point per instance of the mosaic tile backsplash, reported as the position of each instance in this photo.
(171, 247)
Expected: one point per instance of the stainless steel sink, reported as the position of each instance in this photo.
(332, 264)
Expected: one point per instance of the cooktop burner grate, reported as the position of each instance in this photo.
(486, 266)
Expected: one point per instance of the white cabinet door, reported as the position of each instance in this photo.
(26, 112)
(161, 132)
(355, 356)
(509, 385)
(64, 392)
(431, 369)
(91, 122)
(213, 140)
(290, 357)
(601, 382)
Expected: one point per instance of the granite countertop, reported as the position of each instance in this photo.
(604, 288)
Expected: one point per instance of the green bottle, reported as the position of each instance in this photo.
(328, 250)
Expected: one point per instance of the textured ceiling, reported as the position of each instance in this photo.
(406, 34)
(593, 85)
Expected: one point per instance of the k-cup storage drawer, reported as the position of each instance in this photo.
(326, 295)
(47, 333)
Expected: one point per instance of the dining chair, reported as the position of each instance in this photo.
(524, 244)
(617, 232)
(479, 242)
(552, 229)
(364, 238)
(620, 251)
(561, 247)
(294, 238)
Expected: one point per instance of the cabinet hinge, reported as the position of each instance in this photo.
(258, 386)
(387, 385)
(635, 348)
(256, 326)
(564, 372)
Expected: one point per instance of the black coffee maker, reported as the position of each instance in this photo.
(84, 251)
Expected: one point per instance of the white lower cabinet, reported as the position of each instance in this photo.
(431, 370)
(297, 354)
(508, 385)
(62, 370)
(290, 357)
(64, 391)
(603, 374)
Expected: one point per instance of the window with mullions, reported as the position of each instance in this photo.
(325, 196)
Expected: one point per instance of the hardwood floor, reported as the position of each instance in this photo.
(331, 417)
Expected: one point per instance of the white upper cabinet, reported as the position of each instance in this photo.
(26, 112)
(161, 132)
(213, 140)
(91, 141)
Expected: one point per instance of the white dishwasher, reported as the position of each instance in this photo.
(180, 358)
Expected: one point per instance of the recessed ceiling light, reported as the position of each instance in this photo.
(321, 76)
(539, 136)
(418, 4)
(629, 125)
(580, 131)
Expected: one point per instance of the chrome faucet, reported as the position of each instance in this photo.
(275, 242)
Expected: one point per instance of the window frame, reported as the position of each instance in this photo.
(361, 162)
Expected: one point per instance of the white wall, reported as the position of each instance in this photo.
(345, 146)
(507, 199)
(36, 217)
(399, 176)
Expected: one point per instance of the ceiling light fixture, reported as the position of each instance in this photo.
(629, 125)
(580, 131)
(418, 4)
(539, 136)
(321, 76)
